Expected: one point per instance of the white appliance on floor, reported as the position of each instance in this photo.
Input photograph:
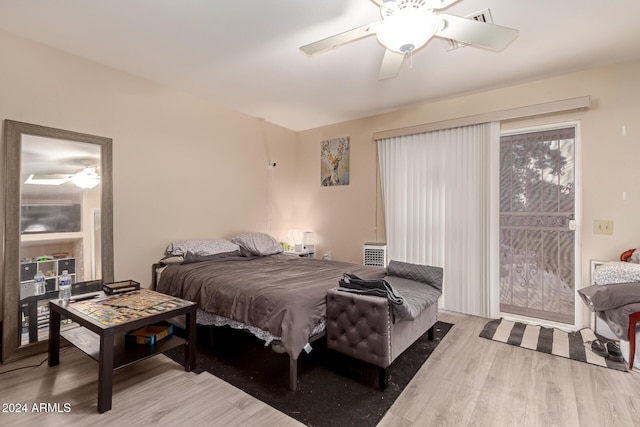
(375, 253)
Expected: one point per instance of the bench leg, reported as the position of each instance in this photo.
(431, 333)
(383, 378)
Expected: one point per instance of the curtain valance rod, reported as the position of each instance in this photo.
(563, 105)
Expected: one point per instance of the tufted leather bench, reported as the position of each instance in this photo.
(362, 326)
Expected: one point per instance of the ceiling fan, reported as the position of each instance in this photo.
(86, 178)
(408, 25)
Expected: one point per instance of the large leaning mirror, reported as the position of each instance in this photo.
(58, 221)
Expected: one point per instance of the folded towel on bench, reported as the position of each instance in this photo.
(404, 287)
(378, 287)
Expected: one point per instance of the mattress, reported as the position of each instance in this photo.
(281, 295)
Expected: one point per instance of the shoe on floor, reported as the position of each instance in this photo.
(598, 348)
(614, 352)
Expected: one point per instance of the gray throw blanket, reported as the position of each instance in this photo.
(404, 287)
(377, 287)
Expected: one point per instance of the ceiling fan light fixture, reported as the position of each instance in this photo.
(408, 25)
(408, 29)
(86, 179)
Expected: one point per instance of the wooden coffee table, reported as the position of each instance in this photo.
(106, 319)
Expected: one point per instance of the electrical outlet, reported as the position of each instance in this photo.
(601, 226)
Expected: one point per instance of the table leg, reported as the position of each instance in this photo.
(105, 375)
(54, 337)
(190, 346)
(33, 321)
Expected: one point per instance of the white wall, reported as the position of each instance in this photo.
(181, 167)
(346, 217)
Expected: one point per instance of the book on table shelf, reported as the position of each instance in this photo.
(149, 335)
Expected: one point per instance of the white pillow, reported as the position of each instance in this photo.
(616, 272)
(257, 244)
(201, 247)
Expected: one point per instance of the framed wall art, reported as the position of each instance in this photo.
(334, 162)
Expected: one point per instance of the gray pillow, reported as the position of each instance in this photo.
(201, 247)
(257, 244)
(607, 297)
(428, 274)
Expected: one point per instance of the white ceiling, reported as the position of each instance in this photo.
(243, 54)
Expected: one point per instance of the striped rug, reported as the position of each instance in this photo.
(572, 345)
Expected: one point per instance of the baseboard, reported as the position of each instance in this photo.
(538, 322)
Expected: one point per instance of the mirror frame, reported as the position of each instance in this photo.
(13, 132)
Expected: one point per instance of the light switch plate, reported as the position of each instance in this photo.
(601, 226)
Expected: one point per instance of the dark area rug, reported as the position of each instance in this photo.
(333, 389)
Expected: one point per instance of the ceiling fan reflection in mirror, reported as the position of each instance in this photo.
(87, 178)
(408, 25)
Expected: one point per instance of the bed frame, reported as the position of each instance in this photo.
(293, 363)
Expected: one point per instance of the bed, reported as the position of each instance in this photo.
(254, 286)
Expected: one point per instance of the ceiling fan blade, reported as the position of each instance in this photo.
(338, 39)
(470, 31)
(391, 63)
(48, 179)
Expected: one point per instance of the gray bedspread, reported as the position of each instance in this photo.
(281, 294)
(613, 303)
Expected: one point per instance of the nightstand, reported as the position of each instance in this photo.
(303, 254)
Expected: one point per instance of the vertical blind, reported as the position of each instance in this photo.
(435, 190)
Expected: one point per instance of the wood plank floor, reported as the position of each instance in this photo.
(467, 381)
